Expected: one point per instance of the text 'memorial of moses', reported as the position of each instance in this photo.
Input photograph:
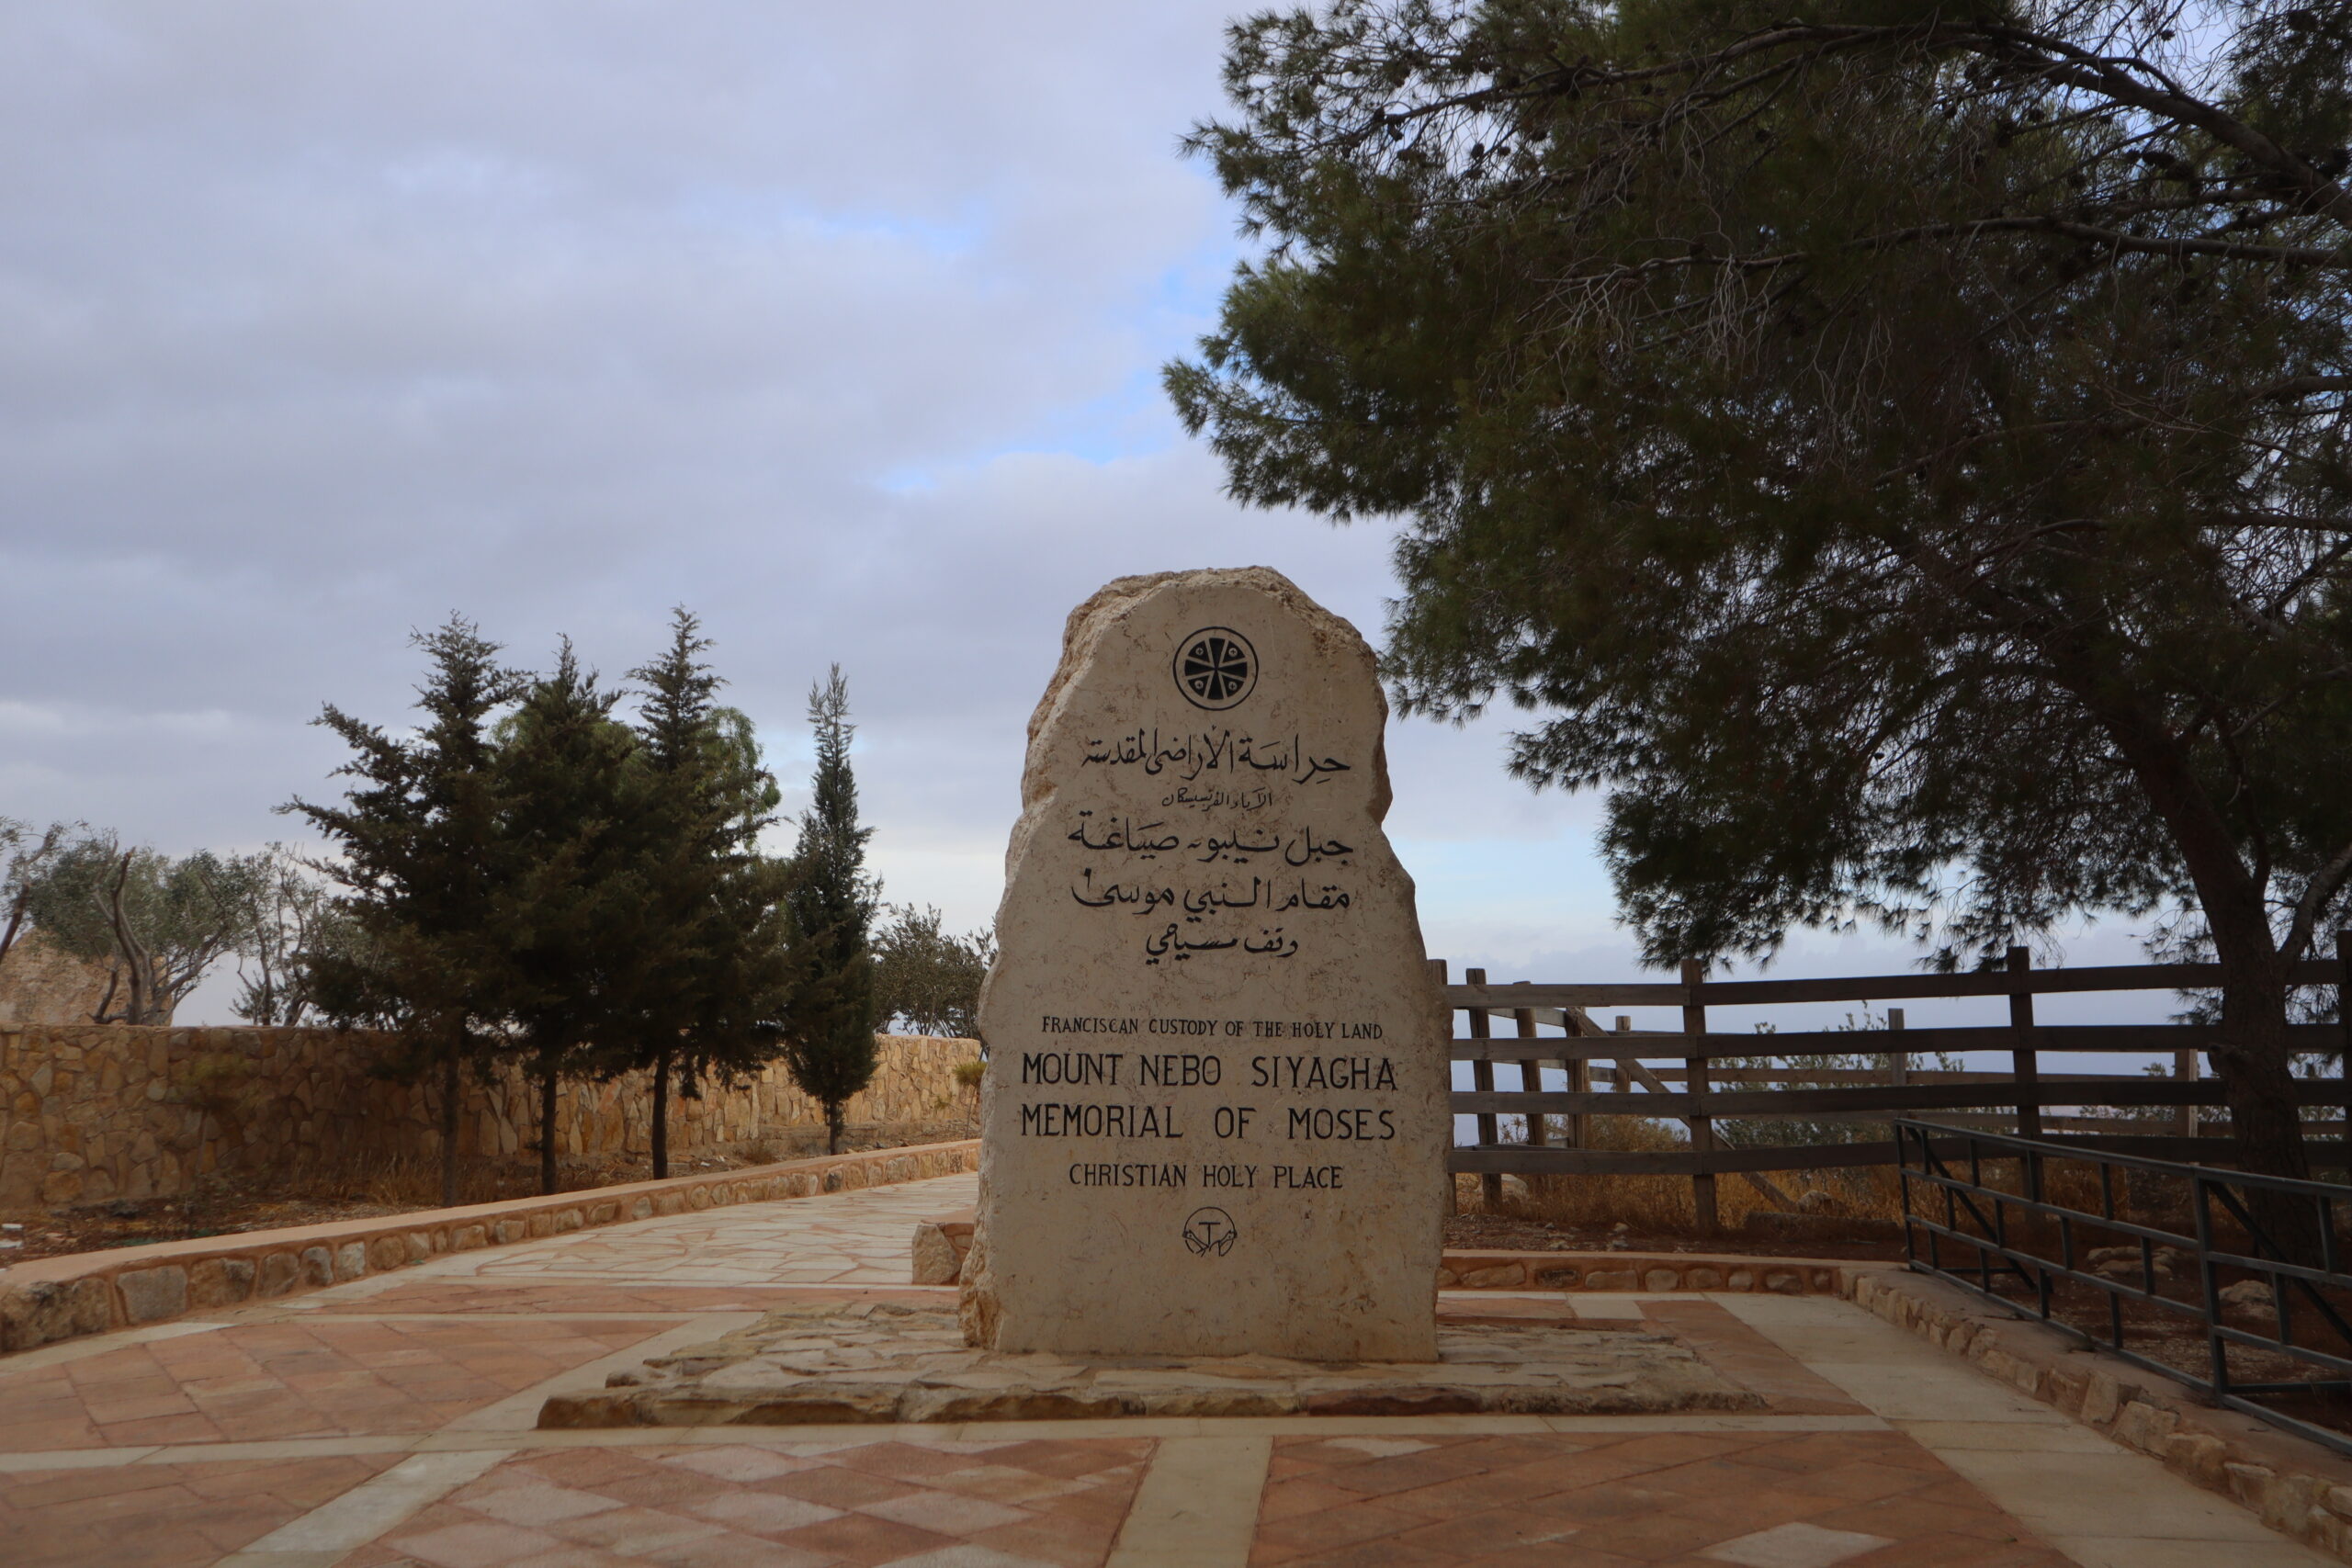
(1214, 1121)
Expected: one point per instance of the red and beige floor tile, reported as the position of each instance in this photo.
(389, 1423)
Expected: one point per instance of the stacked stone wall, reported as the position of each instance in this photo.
(92, 1114)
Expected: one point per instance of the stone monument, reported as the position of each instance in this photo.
(1214, 1120)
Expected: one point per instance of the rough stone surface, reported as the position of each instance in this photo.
(47, 1311)
(936, 1260)
(44, 983)
(220, 1282)
(822, 1362)
(280, 1274)
(1215, 1118)
(151, 1295)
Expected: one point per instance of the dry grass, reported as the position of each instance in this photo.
(407, 1181)
(1661, 1205)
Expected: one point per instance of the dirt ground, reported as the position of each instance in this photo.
(230, 1208)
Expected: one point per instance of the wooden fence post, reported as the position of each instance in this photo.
(1624, 1082)
(1573, 1129)
(2184, 1071)
(2025, 1066)
(2344, 1022)
(1437, 978)
(1481, 1079)
(1898, 1063)
(1531, 1074)
(1694, 1084)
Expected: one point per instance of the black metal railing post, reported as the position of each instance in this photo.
(1989, 1246)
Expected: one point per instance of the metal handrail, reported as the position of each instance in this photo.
(1977, 1218)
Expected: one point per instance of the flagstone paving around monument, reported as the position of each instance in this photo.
(390, 1421)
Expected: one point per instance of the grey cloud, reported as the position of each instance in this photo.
(839, 325)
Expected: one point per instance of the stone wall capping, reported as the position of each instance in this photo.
(49, 1299)
(2295, 1486)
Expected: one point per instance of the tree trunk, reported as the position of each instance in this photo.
(833, 1126)
(2258, 1083)
(661, 1112)
(449, 1131)
(136, 967)
(15, 920)
(2257, 1068)
(547, 1125)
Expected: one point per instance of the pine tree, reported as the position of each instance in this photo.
(714, 965)
(576, 807)
(421, 845)
(829, 1039)
(1898, 450)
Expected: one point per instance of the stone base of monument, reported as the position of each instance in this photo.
(825, 1363)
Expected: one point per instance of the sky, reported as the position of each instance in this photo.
(840, 326)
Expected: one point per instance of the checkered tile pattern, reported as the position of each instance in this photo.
(162, 1515)
(1811, 1500)
(1016, 1503)
(292, 1380)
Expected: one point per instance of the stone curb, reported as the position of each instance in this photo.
(815, 1364)
(1650, 1273)
(2294, 1487)
(49, 1299)
(942, 1242)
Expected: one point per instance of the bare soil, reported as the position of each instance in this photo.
(230, 1207)
(1507, 1233)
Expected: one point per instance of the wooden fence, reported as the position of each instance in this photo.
(1553, 1026)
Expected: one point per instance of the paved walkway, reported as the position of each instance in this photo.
(388, 1423)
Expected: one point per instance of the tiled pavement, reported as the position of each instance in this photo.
(847, 1238)
(270, 1381)
(745, 1506)
(164, 1515)
(1864, 1499)
(390, 1422)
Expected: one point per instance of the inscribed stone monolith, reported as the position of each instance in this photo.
(1214, 1119)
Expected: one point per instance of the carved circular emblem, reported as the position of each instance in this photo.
(1209, 1233)
(1216, 667)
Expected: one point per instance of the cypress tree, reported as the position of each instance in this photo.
(829, 1039)
(713, 962)
(576, 807)
(422, 851)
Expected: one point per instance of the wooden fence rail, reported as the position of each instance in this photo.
(1605, 1068)
(2018, 980)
